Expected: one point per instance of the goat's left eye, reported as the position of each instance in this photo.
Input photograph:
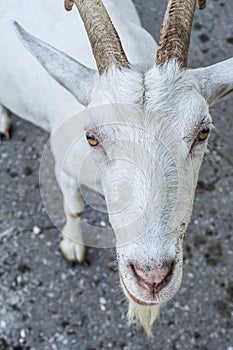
(201, 137)
(202, 134)
(92, 139)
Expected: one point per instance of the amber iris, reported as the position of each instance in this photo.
(203, 134)
(92, 139)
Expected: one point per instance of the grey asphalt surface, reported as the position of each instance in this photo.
(47, 304)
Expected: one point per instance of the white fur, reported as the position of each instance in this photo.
(144, 314)
(145, 118)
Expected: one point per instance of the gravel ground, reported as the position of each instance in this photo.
(47, 304)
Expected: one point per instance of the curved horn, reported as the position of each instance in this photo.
(175, 32)
(105, 42)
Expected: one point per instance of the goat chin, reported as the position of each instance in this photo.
(145, 315)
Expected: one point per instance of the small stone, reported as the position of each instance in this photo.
(103, 301)
(214, 335)
(103, 223)
(14, 300)
(190, 275)
(45, 262)
(96, 278)
(63, 276)
(103, 307)
(186, 308)
(19, 279)
(177, 305)
(81, 283)
(36, 230)
(22, 333)
(3, 324)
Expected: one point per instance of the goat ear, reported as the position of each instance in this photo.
(74, 76)
(216, 81)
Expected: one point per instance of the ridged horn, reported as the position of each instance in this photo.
(105, 41)
(176, 31)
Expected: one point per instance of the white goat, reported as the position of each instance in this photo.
(160, 120)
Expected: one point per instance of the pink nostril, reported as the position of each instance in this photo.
(153, 279)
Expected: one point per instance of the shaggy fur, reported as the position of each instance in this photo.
(146, 315)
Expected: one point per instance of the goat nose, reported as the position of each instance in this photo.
(153, 279)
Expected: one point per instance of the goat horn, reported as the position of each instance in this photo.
(176, 31)
(105, 42)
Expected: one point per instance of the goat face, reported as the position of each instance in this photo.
(149, 152)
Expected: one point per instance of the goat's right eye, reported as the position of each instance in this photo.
(92, 139)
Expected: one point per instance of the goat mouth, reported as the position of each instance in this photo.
(135, 299)
(155, 289)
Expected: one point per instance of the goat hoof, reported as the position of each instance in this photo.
(72, 252)
(5, 124)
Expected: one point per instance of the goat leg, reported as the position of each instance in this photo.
(5, 122)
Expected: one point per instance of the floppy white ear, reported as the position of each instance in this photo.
(216, 81)
(74, 76)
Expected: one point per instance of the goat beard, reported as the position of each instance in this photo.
(145, 315)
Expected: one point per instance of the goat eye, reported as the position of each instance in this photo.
(202, 134)
(200, 137)
(92, 139)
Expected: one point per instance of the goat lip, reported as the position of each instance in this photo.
(136, 300)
